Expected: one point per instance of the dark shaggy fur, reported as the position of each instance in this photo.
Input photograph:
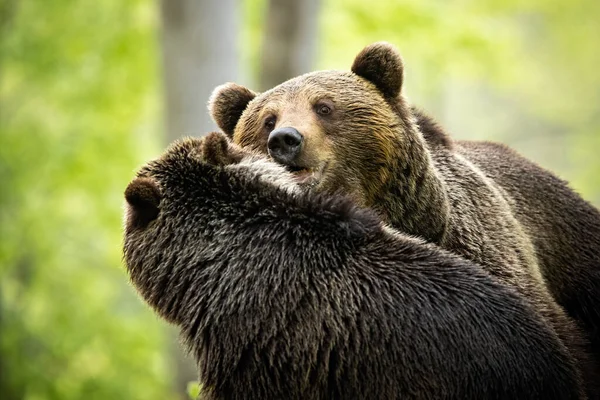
(286, 294)
(564, 229)
(472, 199)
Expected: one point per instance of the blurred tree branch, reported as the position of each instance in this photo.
(199, 51)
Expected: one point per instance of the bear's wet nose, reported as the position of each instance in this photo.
(285, 145)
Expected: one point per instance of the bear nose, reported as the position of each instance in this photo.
(285, 144)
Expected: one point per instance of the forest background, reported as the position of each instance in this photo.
(91, 90)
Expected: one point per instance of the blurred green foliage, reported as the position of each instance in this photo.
(79, 106)
(193, 390)
(80, 109)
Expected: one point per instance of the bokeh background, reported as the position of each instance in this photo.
(90, 90)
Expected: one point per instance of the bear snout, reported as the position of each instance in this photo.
(285, 145)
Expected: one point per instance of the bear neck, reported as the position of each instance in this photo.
(413, 198)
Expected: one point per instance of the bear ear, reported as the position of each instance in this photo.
(380, 63)
(226, 105)
(143, 199)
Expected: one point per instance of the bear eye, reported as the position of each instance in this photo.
(270, 123)
(323, 109)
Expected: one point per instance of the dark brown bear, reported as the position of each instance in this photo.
(354, 132)
(283, 293)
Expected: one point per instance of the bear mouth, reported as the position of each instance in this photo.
(307, 176)
(294, 169)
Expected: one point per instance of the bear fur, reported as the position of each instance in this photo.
(479, 200)
(285, 293)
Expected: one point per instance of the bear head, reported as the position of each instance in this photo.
(335, 130)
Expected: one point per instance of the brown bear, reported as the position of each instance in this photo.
(354, 132)
(283, 293)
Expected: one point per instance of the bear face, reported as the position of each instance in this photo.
(336, 131)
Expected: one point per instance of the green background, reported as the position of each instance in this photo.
(81, 107)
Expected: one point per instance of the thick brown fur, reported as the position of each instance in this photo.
(564, 229)
(390, 157)
(283, 293)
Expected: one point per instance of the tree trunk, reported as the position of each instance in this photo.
(199, 52)
(289, 44)
(199, 42)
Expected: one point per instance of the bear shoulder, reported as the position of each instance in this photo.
(432, 131)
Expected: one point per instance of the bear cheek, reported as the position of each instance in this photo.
(252, 138)
(317, 150)
(348, 171)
